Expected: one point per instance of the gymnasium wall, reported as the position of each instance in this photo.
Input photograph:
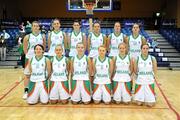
(57, 8)
(178, 14)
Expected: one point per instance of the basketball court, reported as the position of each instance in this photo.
(12, 106)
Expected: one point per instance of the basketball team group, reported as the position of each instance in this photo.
(118, 68)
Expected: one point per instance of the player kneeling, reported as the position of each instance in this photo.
(102, 67)
(80, 83)
(38, 84)
(145, 68)
(122, 80)
(59, 89)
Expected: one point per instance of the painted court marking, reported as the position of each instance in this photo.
(95, 106)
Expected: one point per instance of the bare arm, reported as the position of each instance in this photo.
(48, 63)
(89, 43)
(108, 43)
(93, 69)
(90, 67)
(111, 68)
(135, 66)
(67, 66)
(126, 41)
(105, 40)
(68, 41)
(49, 40)
(29, 66)
(84, 41)
(71, 67)
(25, 44)
(44, 42)
(131, 65)
(155, 68)
(65, 41)
(144, 41)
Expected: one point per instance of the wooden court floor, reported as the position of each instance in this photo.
(13, 107)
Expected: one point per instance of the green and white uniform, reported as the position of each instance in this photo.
(115, 40)
(56, 38)
(59, 89)
(135, 45)
(102, 82)
(122, 79)
(80, 80)
(96, 41)
(144, 89)
(74, 39)
(32, 41)
(38, 83)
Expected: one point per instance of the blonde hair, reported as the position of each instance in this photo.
(103, 46)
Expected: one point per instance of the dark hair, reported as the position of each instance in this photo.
(77, 21)
(56, 19)
(117, 22)
(39, 46)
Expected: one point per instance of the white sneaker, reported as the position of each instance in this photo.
(25, 96)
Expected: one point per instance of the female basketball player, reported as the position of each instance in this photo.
(75, 37)
(103, 68)
(29, 42)
(145, 67)
(56, 37)
(114, 39)
(40, 69)
(95, 39)
(135, 41)
(80, 71)
(59, 89)
(123, 68)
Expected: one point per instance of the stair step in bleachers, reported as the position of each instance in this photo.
(174, 64)
(12, 58)
(165, 46)
(171, 54)
(8, 63)
(163, 43)
(174, 59)
(169, 50)
(166, 54)
(161, 40)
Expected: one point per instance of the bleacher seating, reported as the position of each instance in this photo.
(107, 25)
(172, 35)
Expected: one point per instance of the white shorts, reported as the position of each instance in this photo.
(38, 90)
(144, 93)
(80, 90)
(122, 91)
(102, 92)
(59, 90)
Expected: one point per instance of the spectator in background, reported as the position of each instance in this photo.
(22, 28)
(21, 50)
(3, 38)
(43, 30)
(154, 43)
(28, 27)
